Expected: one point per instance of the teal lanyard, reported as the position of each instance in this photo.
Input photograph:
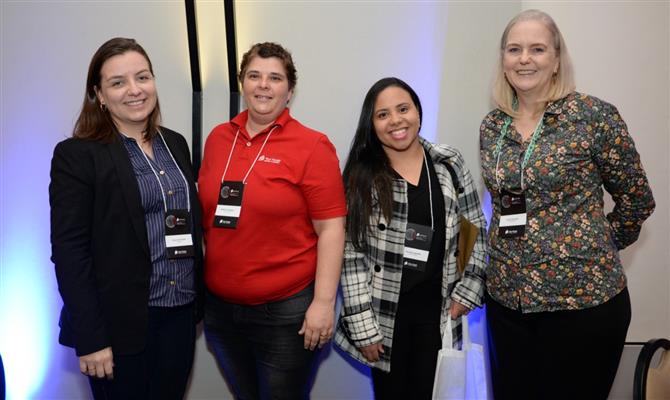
(529, 149)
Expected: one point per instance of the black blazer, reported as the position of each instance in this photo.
(99, 243)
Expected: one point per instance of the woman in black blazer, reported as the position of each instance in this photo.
(125, 235)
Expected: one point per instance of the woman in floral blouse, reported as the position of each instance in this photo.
(558, 308)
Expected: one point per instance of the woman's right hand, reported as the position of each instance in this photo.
(99, 364)
(372, 352)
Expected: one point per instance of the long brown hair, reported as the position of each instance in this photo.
(94, 121)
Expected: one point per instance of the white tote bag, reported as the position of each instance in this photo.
(460, 374)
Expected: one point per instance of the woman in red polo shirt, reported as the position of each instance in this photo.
(273, 216)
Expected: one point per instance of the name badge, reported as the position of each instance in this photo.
(512, 214)
(178, 238)
(417, 246)
(229, 206)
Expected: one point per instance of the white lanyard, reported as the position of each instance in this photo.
(188, 199)
(232, 148)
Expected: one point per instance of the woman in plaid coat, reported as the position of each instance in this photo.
(399, 280)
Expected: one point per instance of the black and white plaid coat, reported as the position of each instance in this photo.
(371, 280)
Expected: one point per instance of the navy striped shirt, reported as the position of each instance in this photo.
(172, 281)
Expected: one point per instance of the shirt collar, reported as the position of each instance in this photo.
(240, 121)
(557, 106)
(126, 138)
(553, 107)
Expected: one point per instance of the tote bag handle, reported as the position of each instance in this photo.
(448, 338)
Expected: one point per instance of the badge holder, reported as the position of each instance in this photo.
(229, 206)
(178, 239)
(418, 239)
(512, 214)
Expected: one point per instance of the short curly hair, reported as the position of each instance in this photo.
(267, 50)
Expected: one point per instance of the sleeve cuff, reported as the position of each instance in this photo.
(362, 328)
(469, 292)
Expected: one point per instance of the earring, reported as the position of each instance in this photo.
(103, 107)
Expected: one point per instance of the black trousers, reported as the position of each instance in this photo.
(161, 371)
(558, 355)
(416, 342)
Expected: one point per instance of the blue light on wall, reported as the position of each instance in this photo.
(487, 207)
(41, 89)
(26, 325)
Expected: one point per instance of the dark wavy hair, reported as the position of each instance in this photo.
(267, 50)
(368, 168)
(95, 122)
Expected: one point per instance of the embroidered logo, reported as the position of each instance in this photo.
(269, 159)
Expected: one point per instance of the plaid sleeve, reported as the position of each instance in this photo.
(358, 317)
(469, 291)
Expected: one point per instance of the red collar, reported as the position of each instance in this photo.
(240, 121)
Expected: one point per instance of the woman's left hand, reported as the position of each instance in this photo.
(318, 324)
(457, 309)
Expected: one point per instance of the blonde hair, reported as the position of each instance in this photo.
(563, 83)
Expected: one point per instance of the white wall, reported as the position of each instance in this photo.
(445, 50)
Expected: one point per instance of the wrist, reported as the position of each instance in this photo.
(324, 301)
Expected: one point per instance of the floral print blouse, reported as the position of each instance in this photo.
(568, 257)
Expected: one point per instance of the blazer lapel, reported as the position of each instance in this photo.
(130, 190)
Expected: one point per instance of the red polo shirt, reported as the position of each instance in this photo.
(272, 253)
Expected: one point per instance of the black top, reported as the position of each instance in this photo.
(419, 213)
